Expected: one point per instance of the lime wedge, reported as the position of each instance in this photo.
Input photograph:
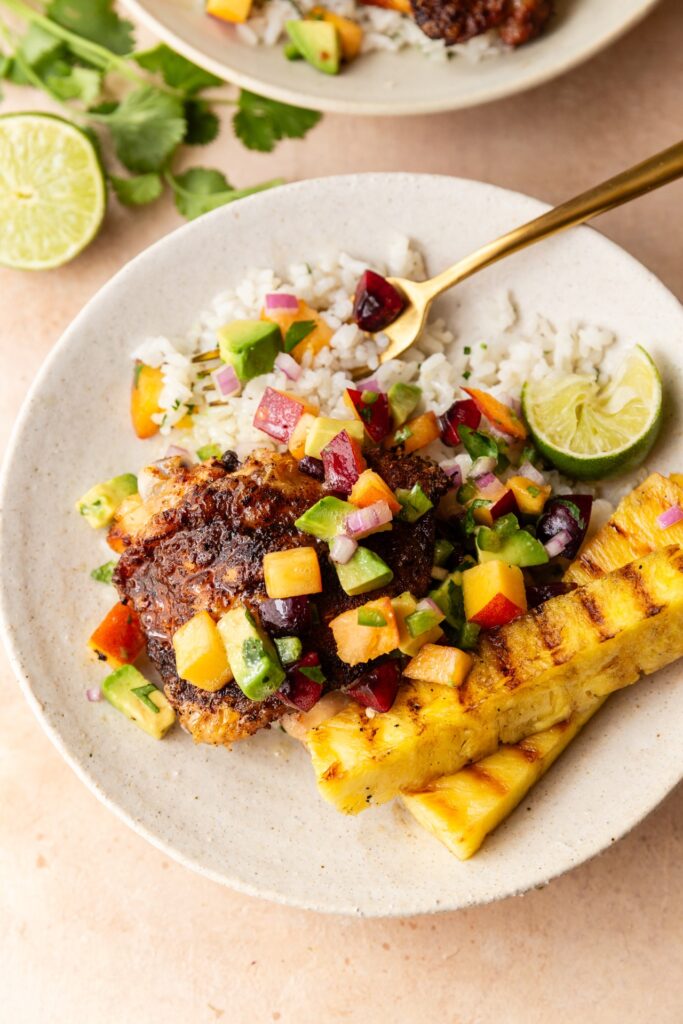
(588, 431)
(52, 191)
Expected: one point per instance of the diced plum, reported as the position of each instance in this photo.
(278, 414)
(377, 688)
(343, 463)
(299, 691)
(312, 467)
(286, 616)
(559, 514)
(377, 303)
(372, 409)
(464, 411)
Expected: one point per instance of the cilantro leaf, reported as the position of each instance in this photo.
(94, 20)
(477, 444)
(315, 673)
(260, 123)
(202, 123)
(202, 189)
(74, 83)
(297, 332)
(138, 191)
(146, 128)
(39, 44)
(176, 71)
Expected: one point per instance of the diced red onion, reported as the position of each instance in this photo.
(342, 549)
(365, 520)
(673, 515)
(226, 381)
(94, 694)
(558, 543)
(453, 471)
(427, 605)
(484, 480)
(528, 470)
(489, 486)
(483, 465)
(288, 365)
(282, 300)
(369, 384)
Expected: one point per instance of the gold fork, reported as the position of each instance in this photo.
(658, 170)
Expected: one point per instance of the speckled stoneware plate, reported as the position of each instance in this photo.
(251, 817)
(391, 83)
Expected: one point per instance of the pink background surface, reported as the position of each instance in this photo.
(96, 925)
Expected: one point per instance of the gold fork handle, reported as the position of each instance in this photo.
(650, 174)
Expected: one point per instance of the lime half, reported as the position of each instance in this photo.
(52, 191)
(589, 431)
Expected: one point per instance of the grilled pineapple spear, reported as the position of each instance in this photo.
(461, 809)
(528, 675)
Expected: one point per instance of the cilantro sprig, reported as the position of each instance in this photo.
(80, 52)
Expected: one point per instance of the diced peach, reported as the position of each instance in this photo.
(350, 32)
(200, 655)
(435, 663)
(530, 497)
(118, 639)
(292, 573)
(493, 593)
(358, 643)
(501, 416)
(144, 398)
(369, 488)
(297, 439)
(415, 434)
(319, 337)
(229, 10)
(501, 505)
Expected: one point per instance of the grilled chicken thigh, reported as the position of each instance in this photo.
(456, 21)
(197, 543)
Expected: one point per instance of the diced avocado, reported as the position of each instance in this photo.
(443, 549)
(415, 503)
(209, 451)
(363, 572)
(403, 401)
(250, 346)
(289, 648)
(292, 52)
(141, 701)
(98, 506)
(326, 518)
(323, 429)
(251, 654)
(520, 549)
(318, 43)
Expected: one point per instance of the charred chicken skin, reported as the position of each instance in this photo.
(197, 543)
(456, 21)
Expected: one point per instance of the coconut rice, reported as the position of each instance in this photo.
(382, 30)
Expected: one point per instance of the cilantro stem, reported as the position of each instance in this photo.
(93, 52)
(222, 197)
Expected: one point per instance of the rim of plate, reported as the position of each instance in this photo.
(78, 761)
(487, 94)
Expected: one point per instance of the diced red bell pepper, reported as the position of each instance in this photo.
(465, 412)
(343, 462)
(299, 691)
(377, 303)
(377, 688)
(372, 409)
(278, 414)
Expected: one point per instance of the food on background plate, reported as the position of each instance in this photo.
(372, 563)
(331, 35)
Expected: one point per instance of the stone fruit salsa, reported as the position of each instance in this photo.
(350, 560)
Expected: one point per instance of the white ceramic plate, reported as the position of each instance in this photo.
(388, 83)
(251, 818)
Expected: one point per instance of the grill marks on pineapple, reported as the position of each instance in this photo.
(594, 613)
(481, 775)
(632, 574)
(504, 657)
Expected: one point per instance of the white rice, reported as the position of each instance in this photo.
(382, 29)
(499, 356)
